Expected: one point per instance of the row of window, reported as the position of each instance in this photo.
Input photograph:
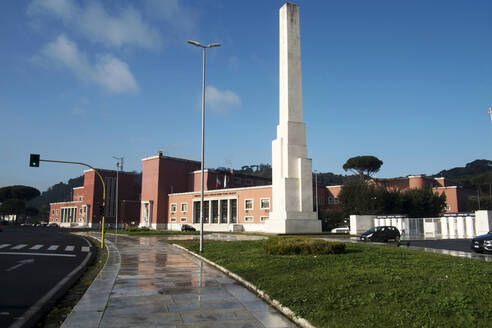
(248, 205)
(246, 219)
(81, 211)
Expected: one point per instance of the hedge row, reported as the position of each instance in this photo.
(301, 246)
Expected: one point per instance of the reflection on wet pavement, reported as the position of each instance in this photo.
(215, 236)
(159, 285)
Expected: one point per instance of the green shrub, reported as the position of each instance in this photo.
(136, 229)
(301, 246)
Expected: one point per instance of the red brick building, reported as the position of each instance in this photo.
(456, 196)
(83, 209)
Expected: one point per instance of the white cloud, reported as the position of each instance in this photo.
(125, 27)
(107, 71)
(77, 111)
(65, 9)
(171, 12)
(221, 101)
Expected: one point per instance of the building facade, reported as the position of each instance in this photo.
(83, 209)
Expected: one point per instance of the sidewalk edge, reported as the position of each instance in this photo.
(111, 269)
(276, 304)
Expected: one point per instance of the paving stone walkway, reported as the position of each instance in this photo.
(159, 285)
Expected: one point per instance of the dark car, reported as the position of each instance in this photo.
(482, 243)
(382, 233)
(186, 227)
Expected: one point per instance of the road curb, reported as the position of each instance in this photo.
(273, 302)
(90, 306)
(34, 313)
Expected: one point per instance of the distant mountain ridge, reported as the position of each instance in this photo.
(471, 170)
(60, 192)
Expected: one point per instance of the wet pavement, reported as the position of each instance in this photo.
(159, 285)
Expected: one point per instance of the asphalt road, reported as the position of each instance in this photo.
(33, 260)
(462, 245)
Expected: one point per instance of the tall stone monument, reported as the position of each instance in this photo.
(292, 183)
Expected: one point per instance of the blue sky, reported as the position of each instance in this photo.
(407, 81)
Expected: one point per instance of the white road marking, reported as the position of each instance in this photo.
(85, 248)
(19, 246)
(53, 247)
(20, 263)
(4, 245)
(37, 254)
(36, 247)
(69, 248)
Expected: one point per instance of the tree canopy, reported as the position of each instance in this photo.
(360, 197)
(24, 193)
(363, 165)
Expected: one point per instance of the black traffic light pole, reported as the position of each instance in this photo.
(34, 162)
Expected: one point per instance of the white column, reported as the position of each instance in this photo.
(460, 222)
(292, 185)
(228, 211)
(209, 212)
(452, 226)
(219, 210)
(444, 226)
(470, 226)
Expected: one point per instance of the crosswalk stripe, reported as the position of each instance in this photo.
(85, 248)
(53, 247)
(19, 246)
(69, 248)
(4, 245)
(36, 246)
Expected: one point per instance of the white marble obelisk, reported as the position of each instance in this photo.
(292, 185)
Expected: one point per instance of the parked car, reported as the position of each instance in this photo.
(340, 230)
(53, 224)
(482, 243)
(381, 233)
(186, 227)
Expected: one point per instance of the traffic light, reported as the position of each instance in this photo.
(34, 160)
(101, 210)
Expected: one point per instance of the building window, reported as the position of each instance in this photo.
(174, 208)
(57, 212)
(184, 207)
(248, 204)
(183, 219)
(263, 218)
(81, 210)
(336, 200)
(330, 200)
(248, 219)
(448, 207)
(265, 203)
(53, 212)
(173, 219)
(80, 198)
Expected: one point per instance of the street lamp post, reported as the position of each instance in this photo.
(211, 45)
(119, 167)
(316, 191)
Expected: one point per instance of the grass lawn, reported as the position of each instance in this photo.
(369, 286)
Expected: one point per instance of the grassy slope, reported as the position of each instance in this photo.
(369, 286)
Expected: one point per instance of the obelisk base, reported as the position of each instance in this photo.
(293, 223)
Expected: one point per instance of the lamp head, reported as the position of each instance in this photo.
(194, 43)
(213, 45)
